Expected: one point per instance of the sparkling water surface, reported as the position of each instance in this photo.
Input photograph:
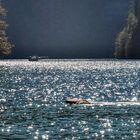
(33, 94)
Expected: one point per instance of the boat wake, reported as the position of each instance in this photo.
(112, 104)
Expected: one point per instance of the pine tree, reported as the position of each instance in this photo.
(5, 45)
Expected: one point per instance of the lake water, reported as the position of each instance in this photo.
(33, 94)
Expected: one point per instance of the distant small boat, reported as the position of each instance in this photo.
(77, 101)
(33, 58)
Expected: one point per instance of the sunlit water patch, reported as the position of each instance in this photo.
(33, 94)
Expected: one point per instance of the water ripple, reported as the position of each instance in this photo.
(32, 99)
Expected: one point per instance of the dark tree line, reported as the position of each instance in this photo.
(5, 45)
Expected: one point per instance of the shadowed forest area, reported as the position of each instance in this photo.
(64, 29)
(127, 41)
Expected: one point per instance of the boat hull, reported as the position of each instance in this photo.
(77, 101)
